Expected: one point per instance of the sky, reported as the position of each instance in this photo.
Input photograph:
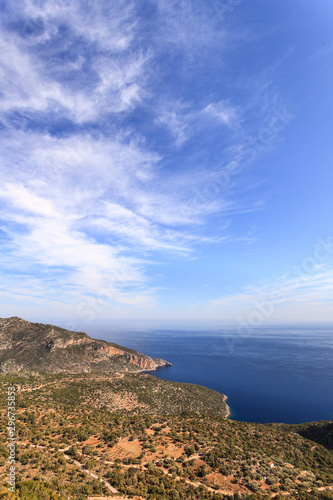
(166, 160)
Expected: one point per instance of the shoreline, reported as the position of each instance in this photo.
(225, 398)
(229, 414)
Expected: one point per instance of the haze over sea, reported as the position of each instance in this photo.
(278, 374)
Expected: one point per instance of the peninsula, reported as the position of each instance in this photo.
(72, 367)
(48, 348)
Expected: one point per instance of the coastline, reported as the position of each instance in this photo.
(225, 398)
(229, 414)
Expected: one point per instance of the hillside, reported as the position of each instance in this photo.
(67, 449)
(88, 426)
(126, 393)
(48, 348)
(320, 432)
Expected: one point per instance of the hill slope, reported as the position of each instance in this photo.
(48, 348)
(152, 457)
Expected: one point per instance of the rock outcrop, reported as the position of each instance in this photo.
(43, 347)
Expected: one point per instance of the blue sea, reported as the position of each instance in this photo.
(274, 375)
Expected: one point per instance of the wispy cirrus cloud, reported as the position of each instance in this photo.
(69, 59)
(279, 300)
(184, 120)
(95, 113)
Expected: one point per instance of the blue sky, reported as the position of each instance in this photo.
(166, 160)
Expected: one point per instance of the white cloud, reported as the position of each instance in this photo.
(279, 300)
(32, 82)
(110, 25)
(64, 195)
(86, 197)
(223, 112)
(20, 198)
(185, 119)
(32, 93)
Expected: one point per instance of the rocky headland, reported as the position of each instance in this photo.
(48, 348)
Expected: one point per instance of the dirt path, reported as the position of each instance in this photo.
(91, 474)
(82, 467)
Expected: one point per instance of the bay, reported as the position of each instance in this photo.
(274, 375)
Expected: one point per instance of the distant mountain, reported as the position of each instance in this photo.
(48, 348)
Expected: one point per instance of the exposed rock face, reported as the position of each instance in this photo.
(161, 362)
(36, 346)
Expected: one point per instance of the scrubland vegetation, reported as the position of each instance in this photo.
(68, 448)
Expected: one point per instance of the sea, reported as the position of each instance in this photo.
(274, 374)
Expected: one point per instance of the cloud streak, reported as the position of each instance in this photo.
(105, 155)
(280, 299)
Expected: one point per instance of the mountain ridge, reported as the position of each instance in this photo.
(25, 345)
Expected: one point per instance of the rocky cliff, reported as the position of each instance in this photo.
(47, 348)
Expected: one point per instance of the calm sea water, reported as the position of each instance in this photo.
(275, 375)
